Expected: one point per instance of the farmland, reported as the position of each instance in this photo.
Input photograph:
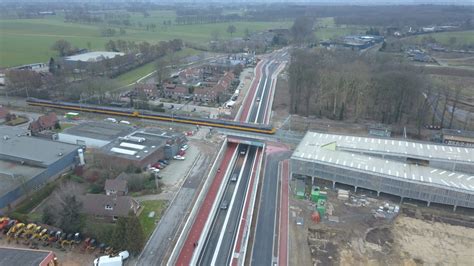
(462, 38)
(29, 40)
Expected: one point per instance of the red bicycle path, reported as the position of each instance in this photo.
(188, 248)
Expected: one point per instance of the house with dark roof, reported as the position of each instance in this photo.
(45, 122)
(116, 187)
(107, 207)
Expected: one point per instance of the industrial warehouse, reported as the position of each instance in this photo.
(27, 163)
(125, 144)
(422, 171)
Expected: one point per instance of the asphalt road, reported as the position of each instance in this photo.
(226, 248)
(262, 250)
(218, 223)
(160, 240)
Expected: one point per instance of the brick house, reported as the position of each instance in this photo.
(45, 122)
(175, 91)
(148, 90)
(116, 187)
(107, 207)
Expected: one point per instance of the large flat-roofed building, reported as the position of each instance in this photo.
(418, 170)
(92, 56)
(144, 147)
(27, 163)
(94, 134)
(27, 257)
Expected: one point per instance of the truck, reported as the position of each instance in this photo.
(112, 261)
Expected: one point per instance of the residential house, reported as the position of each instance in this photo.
(109, 207)
(45, 122)
(191, 76)
(175, 91)
(148, 90)
(116, 187)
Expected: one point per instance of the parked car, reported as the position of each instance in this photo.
(179, 157)
(154, 170)
(224, 205)
(185, 147)
(181, 153)
(158, 165)
(165, 162)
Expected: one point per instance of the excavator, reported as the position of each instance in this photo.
(10, 224)
(15, 231)
(89, 245)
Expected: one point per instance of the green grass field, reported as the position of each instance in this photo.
(148, 224)
(462, 38)
(25, 41)
(132, 76)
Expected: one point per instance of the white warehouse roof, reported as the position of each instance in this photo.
(344, 152)
(93, 56)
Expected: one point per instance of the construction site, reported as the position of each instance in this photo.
(371, 201)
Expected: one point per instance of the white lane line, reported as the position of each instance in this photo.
(429, 179)
(229, 211)
(459, 176)
(469, 178)
(451, 174)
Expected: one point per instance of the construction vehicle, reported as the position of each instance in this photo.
(10, 224)
(3, 222)
(107, 250)
(89, 245)
(15, 231)
(69, 241)
(92, 245)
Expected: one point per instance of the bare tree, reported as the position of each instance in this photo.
(455, 102)
(231, 30)
(63, 47)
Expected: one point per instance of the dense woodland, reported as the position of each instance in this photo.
(343, 85)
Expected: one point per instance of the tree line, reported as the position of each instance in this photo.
(344, 85)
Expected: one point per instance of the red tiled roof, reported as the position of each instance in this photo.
(45, 121)
(177, 89)
(3, 112)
